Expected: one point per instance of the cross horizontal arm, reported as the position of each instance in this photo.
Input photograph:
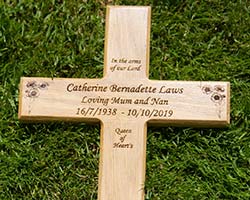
(170, 102)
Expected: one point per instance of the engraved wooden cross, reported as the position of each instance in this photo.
(124, 101)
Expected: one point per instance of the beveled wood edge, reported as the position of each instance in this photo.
(228, 103)
(20, 97)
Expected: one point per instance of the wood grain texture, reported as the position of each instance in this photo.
(124, 101)
(127, 42)
(171, 102)
(122, 163)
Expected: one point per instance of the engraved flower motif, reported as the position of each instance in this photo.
(33, 88)
(218, 88)
(31, 84)
(207, 89)
(43, 85)
(216, 92)
(33, 93)
(217, 98)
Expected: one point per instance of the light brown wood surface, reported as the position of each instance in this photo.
(124, 101)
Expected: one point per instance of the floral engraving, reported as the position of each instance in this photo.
(217, 95)
(34, 87)
(216, 92)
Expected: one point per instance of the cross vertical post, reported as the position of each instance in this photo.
(123, 144)
(124, 101)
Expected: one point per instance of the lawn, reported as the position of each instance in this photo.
(190, 40)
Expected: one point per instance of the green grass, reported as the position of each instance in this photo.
(190, 40)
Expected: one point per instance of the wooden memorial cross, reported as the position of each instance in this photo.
(124, 101)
